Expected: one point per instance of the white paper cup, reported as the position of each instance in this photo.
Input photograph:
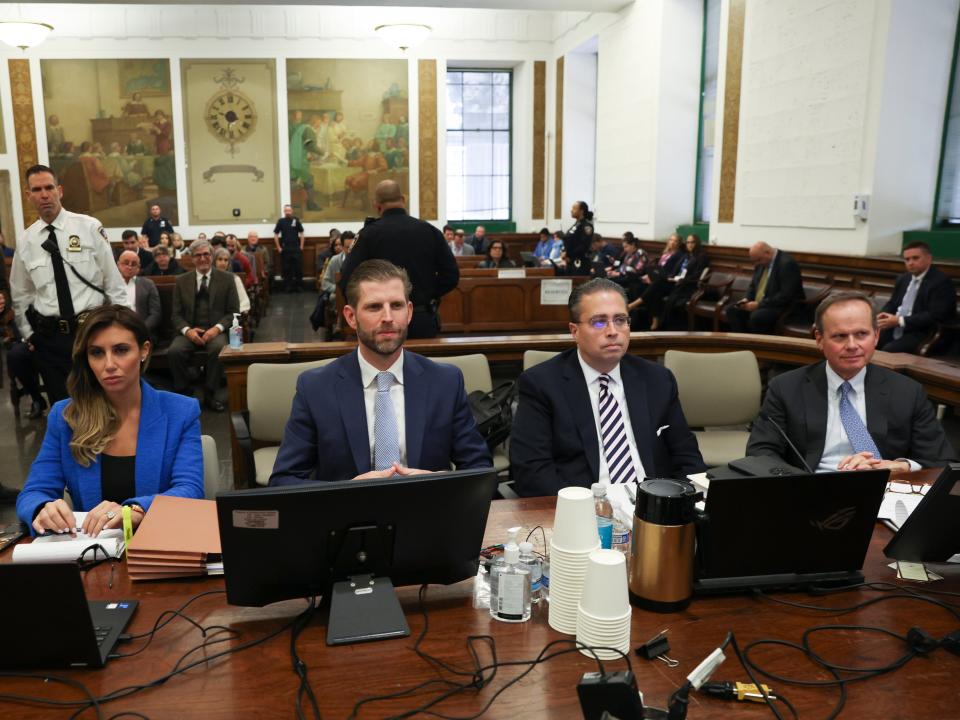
(575, 521)
(604, 595)
(561, 621)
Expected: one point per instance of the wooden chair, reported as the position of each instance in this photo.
(799, 323)
(708, 299)
(737, 291)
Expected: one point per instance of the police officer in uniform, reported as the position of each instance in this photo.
(62, 269)
(412, 244)
(288, 237)
(154, 225)
(577, 241)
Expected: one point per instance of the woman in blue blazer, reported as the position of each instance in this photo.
(115, 441)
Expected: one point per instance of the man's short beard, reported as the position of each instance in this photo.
(383, 348)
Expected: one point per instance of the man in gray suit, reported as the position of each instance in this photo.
(846, 414)
(141, 291)
(457, 243)
(204, 303)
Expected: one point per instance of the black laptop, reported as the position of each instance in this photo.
(47, 621)
(787, 531)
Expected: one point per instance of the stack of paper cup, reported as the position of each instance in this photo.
(574, 538)
(603, 617)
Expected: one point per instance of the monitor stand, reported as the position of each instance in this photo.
(362, 608)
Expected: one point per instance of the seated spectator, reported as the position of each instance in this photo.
(479, 240)
(21, 365)
(221, 261)
(628, 269)
(601, 256)
(329, 284)
(776, 285)
(165, 239)
(544, 246)
(497, 256)
(333, 248)
(178, 246)
(261, 255)
(683, 284)
(131, 243)
(163, 264)
(654, 283)
(94, 446)
(922, 297)
(458, 244)
(239, 263)
(142, 294)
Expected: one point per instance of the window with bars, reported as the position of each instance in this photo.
(708, 110)
(948, 187)
(478, 144)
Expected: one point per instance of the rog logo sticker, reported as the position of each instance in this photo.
(837, 521)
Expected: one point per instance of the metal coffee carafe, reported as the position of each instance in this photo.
(664, 541)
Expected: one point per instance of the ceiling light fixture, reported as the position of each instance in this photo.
(23, 33)
(403, 35)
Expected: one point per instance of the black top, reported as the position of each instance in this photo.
(152, 229)
(491, 263)
(118, 477)
(289, 229)
(172, 269)
(412, 244)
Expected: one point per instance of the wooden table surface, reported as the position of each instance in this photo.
(259, 682)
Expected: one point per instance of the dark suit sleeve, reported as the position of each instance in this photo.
(789, 284)
(928, 443)
(177, 316)
(532, 465)
(899, 288)
(764, 439)
(297, 457)
(154, 308)
(941, 305)
(362, 250)
(448, 272)
(469, 449)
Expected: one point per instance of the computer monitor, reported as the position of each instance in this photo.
(931, 533)
(352, 542)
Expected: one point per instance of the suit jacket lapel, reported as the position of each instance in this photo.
(353, 411)
(635, 391)
(878, 405)
(578, 398)
(815, 412)
(151, 437)
(415, 391)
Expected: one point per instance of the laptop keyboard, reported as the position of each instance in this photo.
(102, 631)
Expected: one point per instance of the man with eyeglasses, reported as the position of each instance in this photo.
(595, 413)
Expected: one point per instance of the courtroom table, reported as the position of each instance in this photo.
(259, 683)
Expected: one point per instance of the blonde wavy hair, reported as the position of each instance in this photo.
(89, 414)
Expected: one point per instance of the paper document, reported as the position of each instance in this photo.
(896, 508)
(64, 548)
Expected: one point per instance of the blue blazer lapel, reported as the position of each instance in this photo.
(635, 391)
(415, 392)
(151, 442)
(578, 398)
(353, 411)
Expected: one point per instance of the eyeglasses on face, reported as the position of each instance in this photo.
(599, 322)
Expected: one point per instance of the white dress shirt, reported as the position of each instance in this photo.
(615, 387)
(131, 287)
(84, 246)
(836, 446)
(368, 376)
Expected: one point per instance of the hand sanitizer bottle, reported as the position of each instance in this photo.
(236, 333)
(512, 600)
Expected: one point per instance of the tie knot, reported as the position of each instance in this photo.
(50, 228)
(384, 381)
(846, 388)
(604, 381)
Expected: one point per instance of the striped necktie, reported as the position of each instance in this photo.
(616, 449)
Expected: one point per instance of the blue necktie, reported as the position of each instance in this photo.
(386, 442)
(857, 432)
(906, 307)
(616, 449)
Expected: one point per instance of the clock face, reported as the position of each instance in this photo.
(231, 117)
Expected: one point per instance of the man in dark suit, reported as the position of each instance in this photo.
(595, 413)
(414, 245)
(379, 411)
(144, 296)
(922, 297)
(204, 303)
(131, 243)
(775, 286)
(846, 414)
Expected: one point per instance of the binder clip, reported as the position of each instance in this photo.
(657, 648)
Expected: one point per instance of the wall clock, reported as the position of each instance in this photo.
(230, 115)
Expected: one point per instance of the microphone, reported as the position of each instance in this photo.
(764, 416)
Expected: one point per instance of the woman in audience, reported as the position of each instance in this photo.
(115, 441)
(497, 256)
(221, 261)
(628, 268)
(684, 282)
(165, 239)
(655, 282)
(179, 247)
(334, 246)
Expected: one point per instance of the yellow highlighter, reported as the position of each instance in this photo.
(127, 526)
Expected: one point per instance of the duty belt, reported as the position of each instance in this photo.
(53, 325)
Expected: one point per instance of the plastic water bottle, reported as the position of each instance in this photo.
(530, 561)
(604, 512)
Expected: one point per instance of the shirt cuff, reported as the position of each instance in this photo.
(914, 466)
(902, 321)
(184, 331)
(222, 328)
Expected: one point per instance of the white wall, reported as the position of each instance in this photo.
(579, 128)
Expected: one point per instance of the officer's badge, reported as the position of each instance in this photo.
(73, 243)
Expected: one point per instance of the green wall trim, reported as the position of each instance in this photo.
(701, 230)
(494, 226)
(945, 244)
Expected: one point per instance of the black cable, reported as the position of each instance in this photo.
(92, 700)
(732, 641)
(177, 611)
(300, 667)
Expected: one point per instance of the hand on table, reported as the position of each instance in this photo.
(395, 469)
(55, 516)
(108, 515)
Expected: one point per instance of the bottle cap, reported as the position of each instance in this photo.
(599, 489)
(526, 547)
(511, 551)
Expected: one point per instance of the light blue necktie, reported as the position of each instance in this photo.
(906, 307)
(386, 442)
(857, 432)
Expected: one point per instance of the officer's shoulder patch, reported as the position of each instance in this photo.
(588, 229)
(103, 233)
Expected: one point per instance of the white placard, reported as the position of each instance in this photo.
(555, 292)
(511, 273)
